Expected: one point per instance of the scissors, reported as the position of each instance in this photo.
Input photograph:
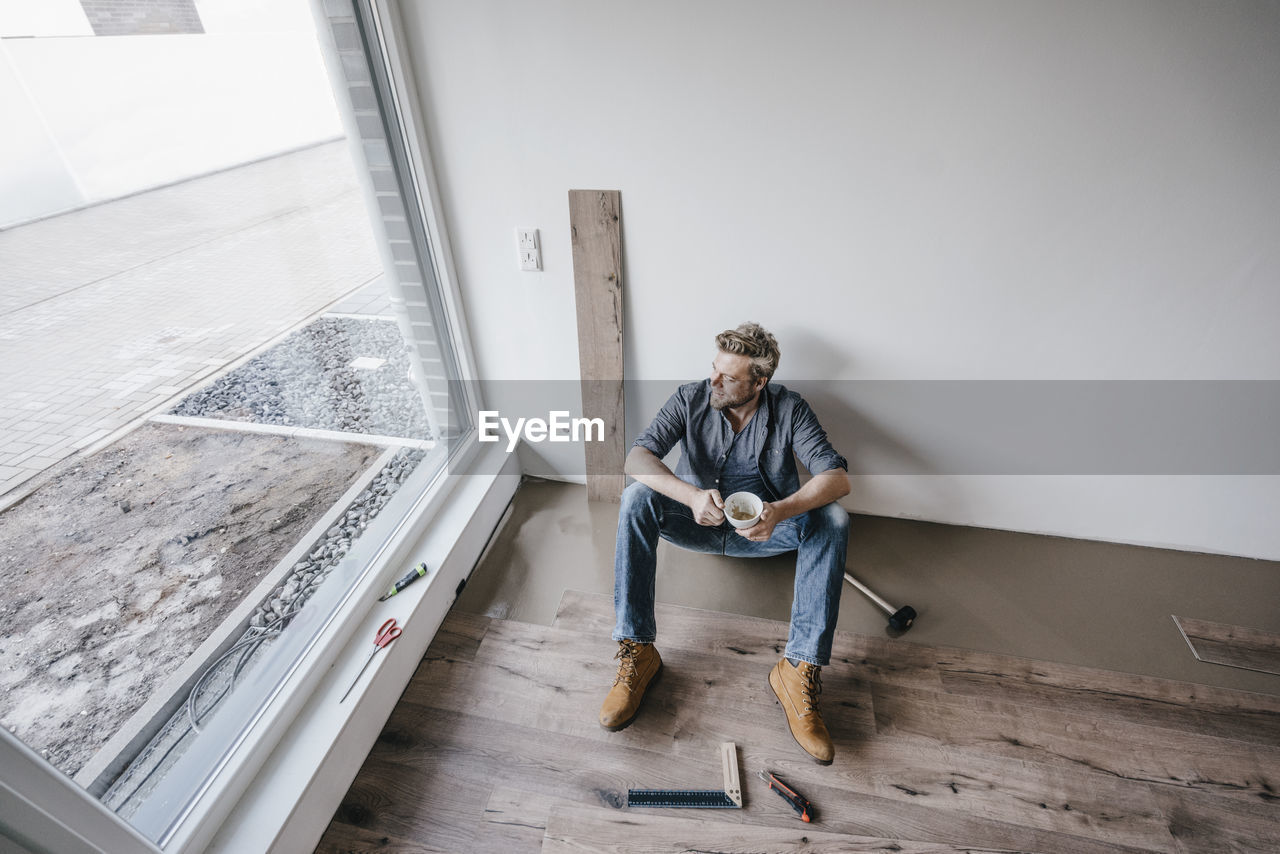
(386, 634)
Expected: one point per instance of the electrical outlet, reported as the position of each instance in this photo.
(530, 251)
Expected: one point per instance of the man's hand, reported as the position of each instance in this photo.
(707, 507)
(763, 528)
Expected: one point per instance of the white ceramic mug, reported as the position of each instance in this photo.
(740, 503)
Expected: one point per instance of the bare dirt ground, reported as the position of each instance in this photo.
(119, 566)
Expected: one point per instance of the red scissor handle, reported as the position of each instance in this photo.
(387, 633)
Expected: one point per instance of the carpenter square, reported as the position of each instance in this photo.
(729, 798)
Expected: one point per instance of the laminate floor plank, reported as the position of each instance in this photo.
(918, 818)
(899, 661)
(595, 229)
(555, 769)
(682, 627)
(1201, 822)
(342, 838)
(480, 751)
(523, 813)
(555, 680)
(1089, 744)
(678, 625)
(1174, 705)
(1233, 646)
(495, 747)
(1046, 797)
(995, 788)
(1123, 685)
(465, 760)
(566, 657)
(574, 830)
(459, 636)
(429, 806)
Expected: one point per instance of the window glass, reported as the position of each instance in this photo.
(224, 362)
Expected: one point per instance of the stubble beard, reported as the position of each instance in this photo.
(726, 402)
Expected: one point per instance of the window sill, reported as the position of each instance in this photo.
(285, 801)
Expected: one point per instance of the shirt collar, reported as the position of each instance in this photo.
(763, 410)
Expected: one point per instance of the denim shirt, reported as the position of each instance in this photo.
(790, 430)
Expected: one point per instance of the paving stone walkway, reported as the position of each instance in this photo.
(110, 312)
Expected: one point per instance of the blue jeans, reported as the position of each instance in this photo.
(819, 538)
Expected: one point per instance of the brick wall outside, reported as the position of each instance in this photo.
(142, 17)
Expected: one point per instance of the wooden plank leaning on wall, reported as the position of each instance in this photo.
(595, 221)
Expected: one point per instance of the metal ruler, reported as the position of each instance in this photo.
(728, 799)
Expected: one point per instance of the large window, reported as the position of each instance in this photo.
(225, 359)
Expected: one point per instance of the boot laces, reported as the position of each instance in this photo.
(812, 686)
(626, 655)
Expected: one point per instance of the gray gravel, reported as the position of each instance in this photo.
(303, 578)
(307, 380)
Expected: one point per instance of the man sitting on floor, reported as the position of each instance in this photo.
(738, 432)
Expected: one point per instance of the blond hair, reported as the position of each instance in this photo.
(756, 343)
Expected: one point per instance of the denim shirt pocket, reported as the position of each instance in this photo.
(778, 467)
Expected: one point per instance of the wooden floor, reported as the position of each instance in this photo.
(1233, 646)
(495, 747)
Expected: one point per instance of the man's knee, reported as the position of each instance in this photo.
(638, 500)
(832, 517)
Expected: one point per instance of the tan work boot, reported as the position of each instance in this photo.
(638, 664)
(797, 688)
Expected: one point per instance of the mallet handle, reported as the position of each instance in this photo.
(866, 591)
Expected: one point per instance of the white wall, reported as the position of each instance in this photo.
(900, 190)
(94, 118)
(34, 178)
(24, 19)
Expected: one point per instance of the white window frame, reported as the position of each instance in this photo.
(284, 776)
(41, 810)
